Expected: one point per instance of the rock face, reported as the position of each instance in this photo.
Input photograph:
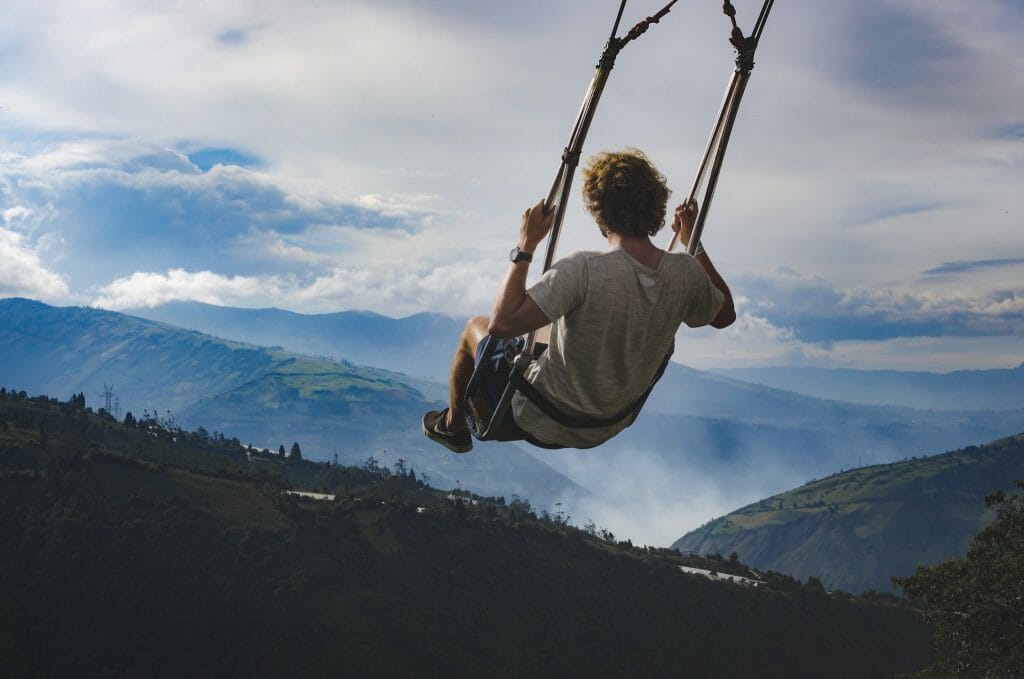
(857, 529)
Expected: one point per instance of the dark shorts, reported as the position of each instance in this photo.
(493, 369)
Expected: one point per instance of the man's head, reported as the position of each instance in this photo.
(625, 193)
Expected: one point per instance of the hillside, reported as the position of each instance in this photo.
(266, 396)
(704, 444)
(857, 529)
(957, 390)
(420, 345)
(151, 551)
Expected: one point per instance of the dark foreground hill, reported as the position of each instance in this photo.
(857, 529)
(149, 551)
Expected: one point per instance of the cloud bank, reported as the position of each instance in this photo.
(243, 154)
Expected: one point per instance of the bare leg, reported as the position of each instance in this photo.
(462, 370)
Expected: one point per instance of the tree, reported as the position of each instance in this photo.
(976, 603)
(129, 420)
(296, 453)
(280, 451)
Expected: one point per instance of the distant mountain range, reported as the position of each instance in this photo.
(267, 396)
(421, 345)
(959, 390)
(857, 529)
(705, 443)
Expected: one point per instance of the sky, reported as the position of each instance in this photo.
(322, 156)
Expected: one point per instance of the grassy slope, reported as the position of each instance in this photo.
(265, 396)
(857, 529)
(136, 553)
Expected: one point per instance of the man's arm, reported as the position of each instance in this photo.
(685, 216)
(514, 312)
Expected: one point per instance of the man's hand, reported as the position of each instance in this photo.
(685, 218)
(536, 225)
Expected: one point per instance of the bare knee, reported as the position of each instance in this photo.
(475, 330)
(476, 327)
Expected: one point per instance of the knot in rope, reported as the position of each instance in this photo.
(642, 27)
(730, 12)
(745, 46)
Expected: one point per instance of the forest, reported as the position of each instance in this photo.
(137, 548)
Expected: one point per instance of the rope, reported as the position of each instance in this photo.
(642, 27)
(714, 154)
(615, 45)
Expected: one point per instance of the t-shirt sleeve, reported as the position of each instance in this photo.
(562, 287)
(704, 300)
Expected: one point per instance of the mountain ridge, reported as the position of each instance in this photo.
(954, 390)
(858, 528)
(703, 444)
(268, 396)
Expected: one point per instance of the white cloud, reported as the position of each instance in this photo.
(848, 163)
(396, 291)
(754, 342)
(24, 275)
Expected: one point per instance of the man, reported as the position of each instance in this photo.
(613, 314)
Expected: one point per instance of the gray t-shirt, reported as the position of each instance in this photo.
(614, 320)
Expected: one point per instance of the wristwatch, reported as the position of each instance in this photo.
(518, 255)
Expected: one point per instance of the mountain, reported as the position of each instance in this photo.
(857, 529)
(266, 396)
(706, 444)
(958, 390)
(421, 345)
(703, 445)
(148, 551)
(732, 416)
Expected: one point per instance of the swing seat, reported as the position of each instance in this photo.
(489, 422)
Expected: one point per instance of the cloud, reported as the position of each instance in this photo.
(964, 267)
(754, 342)
(397, 291)
(122, 206)
(22, 273)
(246, 141)
(818, 311)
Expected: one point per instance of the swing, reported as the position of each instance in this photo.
(484, 422)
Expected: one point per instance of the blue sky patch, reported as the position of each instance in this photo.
(899, 50)
(232, 37)
(1015, 131)
(205, 159)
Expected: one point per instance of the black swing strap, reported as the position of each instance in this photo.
(565, 419)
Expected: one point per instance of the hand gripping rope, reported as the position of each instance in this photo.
(714, 153)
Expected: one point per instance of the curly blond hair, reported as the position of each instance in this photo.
(625, 193)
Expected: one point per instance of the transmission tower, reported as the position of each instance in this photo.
(111, 401)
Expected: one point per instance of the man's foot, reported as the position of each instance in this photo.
(435, 427)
